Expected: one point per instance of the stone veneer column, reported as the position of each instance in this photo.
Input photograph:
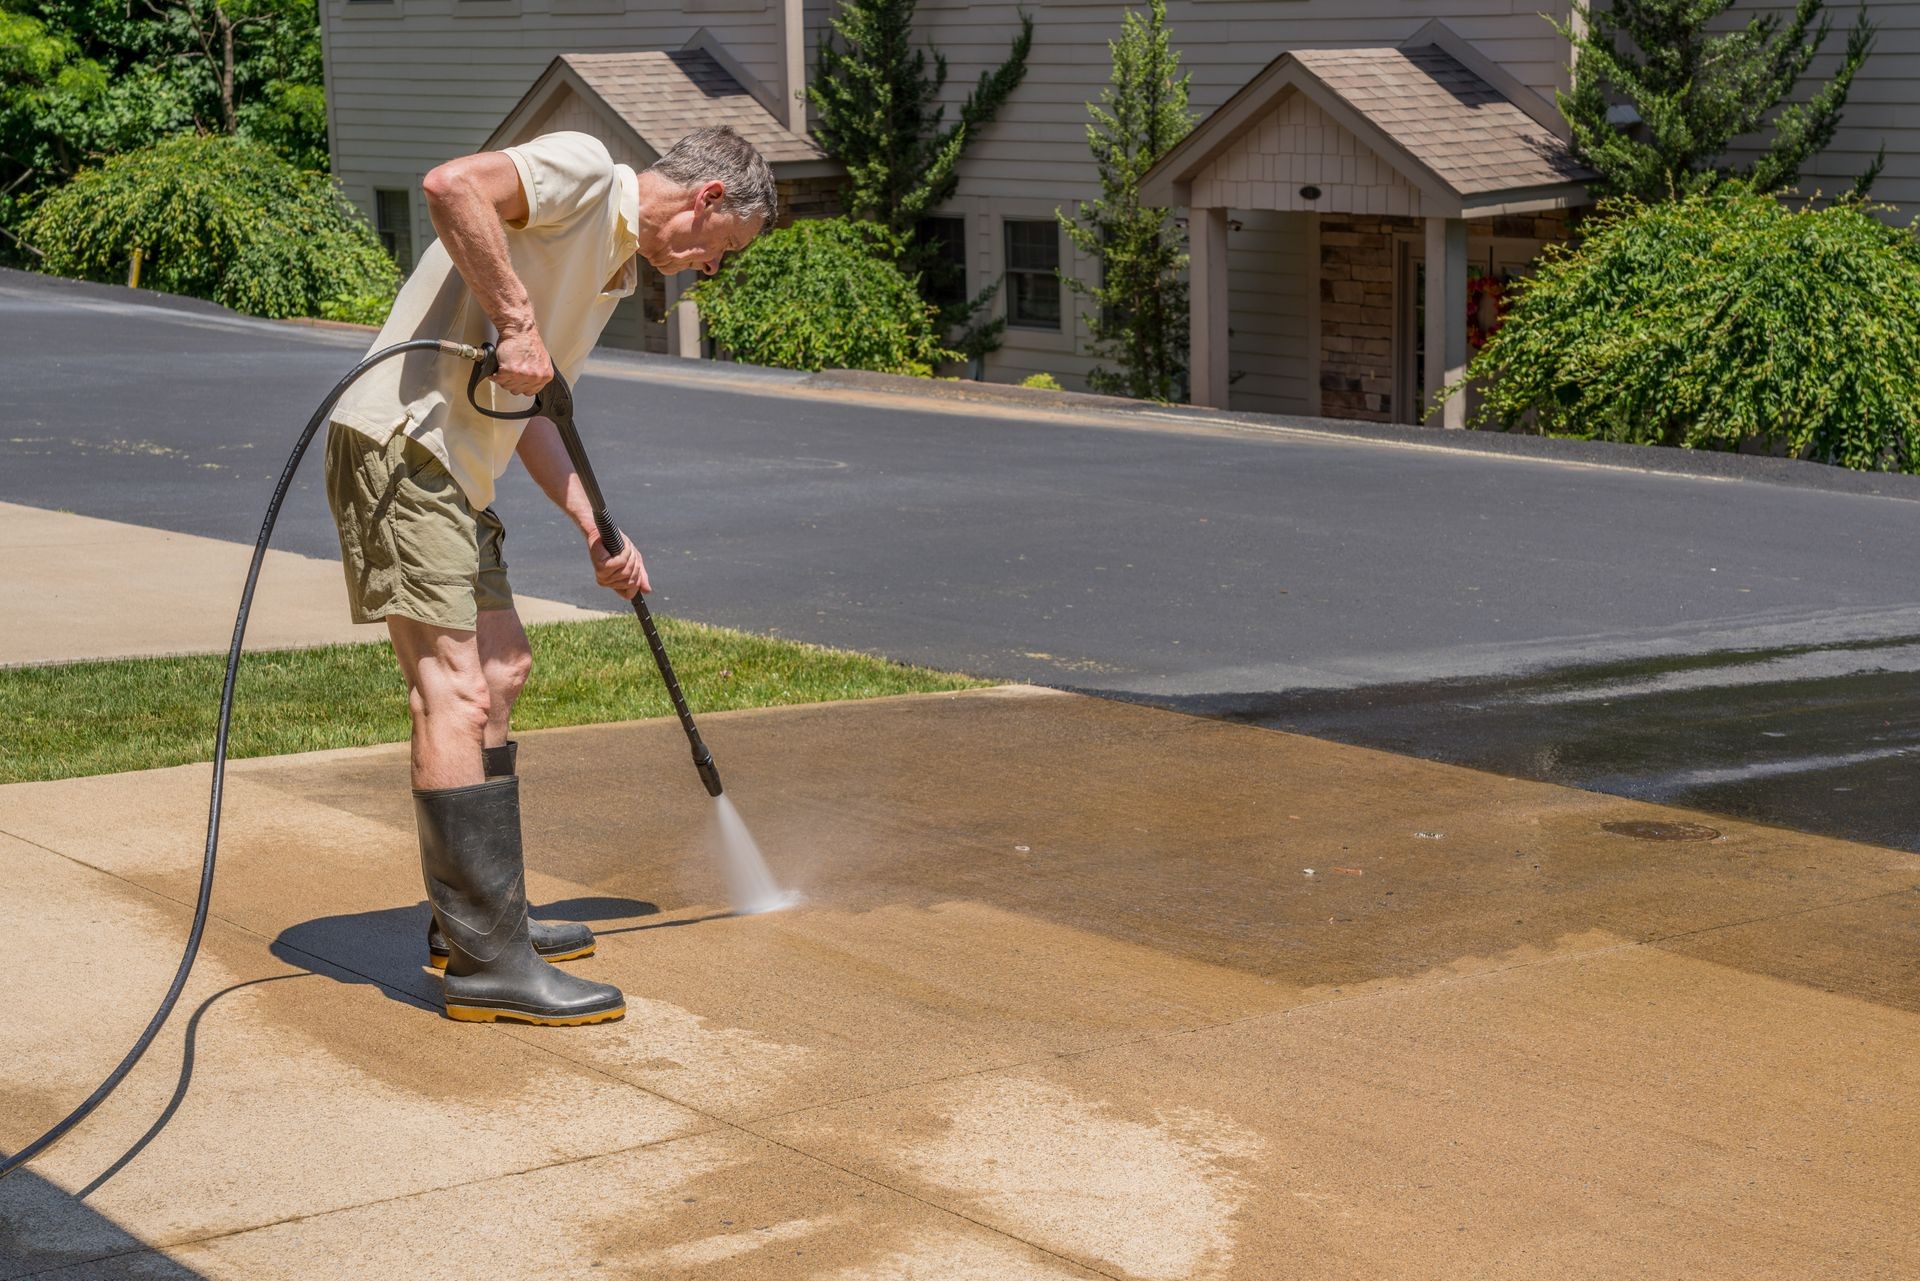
(1357, 319)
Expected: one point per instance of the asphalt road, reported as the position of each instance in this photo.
(1359, 590)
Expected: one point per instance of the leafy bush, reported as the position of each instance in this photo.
(1716, 321)
(366, 309)
(1045, 382)
(219, 218)
(819, 295)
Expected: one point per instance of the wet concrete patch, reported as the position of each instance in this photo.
(1869, 950)
(1820, 738)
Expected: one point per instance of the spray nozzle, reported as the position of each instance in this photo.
(709, 773)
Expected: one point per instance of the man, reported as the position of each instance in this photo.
(536, 245)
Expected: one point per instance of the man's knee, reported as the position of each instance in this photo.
(508, 674)
(451, 697)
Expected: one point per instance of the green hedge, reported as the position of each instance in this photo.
(220, 218)
(820, 295)
(1716, 321)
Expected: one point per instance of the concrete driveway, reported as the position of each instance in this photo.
(1078, 989)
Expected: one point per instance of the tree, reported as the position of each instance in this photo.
(822, 293)
(59, 106)
(881, 117)
(1139, 319)
(1718, 320)
(1696, 93)
(252, 62)
(219, 218)
(84, 79)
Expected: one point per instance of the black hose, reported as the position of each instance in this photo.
(107, 1087)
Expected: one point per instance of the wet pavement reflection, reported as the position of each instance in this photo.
(1817, 738)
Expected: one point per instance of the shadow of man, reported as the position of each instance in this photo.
(387, 948)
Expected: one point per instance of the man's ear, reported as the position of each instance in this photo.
(711, 195)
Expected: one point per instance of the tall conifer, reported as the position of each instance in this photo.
(878, 99)
(1695, 93)
(1139, 322)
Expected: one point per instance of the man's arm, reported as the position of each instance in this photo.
(545, 457)
(470, 200)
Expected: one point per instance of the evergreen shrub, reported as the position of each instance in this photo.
(1718, 321)
(822, 293)
(220, 218)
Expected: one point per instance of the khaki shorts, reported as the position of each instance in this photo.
(409, 541)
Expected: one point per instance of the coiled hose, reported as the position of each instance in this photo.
(179, 984)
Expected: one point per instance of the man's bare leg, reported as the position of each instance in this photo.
(505, 661)
(448, 698)
(470, 834)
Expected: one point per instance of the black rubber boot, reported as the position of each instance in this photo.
(476, 881)
(552, 940)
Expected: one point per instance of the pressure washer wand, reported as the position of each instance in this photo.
(555, 403)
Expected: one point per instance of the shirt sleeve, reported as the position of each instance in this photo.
(563, 174)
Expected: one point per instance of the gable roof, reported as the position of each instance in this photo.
(661, 95)
(1469, 142)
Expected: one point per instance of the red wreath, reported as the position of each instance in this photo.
(1486, 309)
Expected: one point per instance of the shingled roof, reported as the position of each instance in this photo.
(1469, 134)
(666, 94)
(1452, 122)
(647, 100)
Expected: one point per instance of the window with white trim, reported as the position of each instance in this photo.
(393, 220)
(1033, 273)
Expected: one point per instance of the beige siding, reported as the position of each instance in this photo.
(1883, 107)
(1269, 358)
(1300, 145)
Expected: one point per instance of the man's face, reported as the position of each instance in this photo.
(699, 237)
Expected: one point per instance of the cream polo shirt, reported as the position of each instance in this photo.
(574, 253)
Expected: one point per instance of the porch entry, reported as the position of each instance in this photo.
(1431, 135)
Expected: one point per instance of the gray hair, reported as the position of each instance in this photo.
(718, 154)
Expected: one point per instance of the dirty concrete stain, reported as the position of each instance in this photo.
(1469, 964)
(952, 1256)
(690, 1257)
(686, 1056)
(1157, 1199)
(362, 1129)
(729, 1206)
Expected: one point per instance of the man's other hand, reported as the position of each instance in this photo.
(525, 366)
(624, 574)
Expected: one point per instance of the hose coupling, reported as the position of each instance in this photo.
(466, 351)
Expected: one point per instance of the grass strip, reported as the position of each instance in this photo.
(127, 714)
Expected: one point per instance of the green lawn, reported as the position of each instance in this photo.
(105, 717)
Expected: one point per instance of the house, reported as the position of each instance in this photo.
(1352, 158)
